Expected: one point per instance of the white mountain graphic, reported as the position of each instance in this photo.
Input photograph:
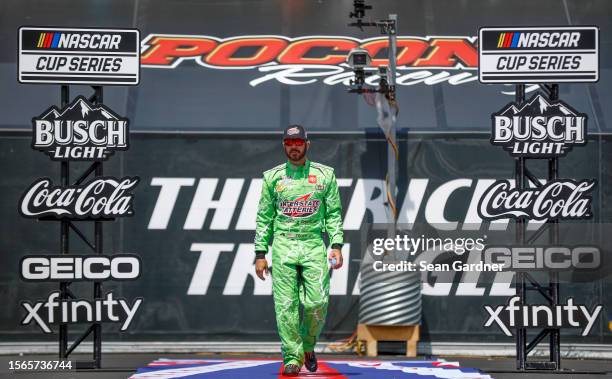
(538, 105)
(79, 109)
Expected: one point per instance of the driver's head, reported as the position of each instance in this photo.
(295, 142)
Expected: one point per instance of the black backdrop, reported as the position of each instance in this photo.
(170, 254)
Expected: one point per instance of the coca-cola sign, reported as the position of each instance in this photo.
(102, 197)
(557, 199)
(80, 132)
(538, 129)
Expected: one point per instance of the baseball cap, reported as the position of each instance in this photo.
(295, 131)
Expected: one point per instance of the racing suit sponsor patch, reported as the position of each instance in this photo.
(301, 206)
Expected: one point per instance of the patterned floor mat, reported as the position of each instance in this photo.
(328, 368)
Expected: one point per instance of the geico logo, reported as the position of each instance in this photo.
(109, 133)
(120, 267)
(170, 50)
(537, 258)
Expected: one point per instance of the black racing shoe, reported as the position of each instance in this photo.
(310, 361)
(291, 370)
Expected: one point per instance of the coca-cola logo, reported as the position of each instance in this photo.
(103, 197)
(558, 199)
(539, 128)
(80, 132)
(300, 207)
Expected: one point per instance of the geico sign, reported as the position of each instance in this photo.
(82, 267)
(558, 258)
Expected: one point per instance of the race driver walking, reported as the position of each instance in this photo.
(299, 202)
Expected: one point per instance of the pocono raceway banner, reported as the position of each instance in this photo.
(262, 65)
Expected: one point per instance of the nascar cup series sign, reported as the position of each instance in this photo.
(79, 56)
(536, 55)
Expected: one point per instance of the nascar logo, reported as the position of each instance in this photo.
(57, 40)
(517, 40)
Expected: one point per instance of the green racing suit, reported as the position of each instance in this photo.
(297, 205)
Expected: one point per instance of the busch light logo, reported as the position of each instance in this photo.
(539, 128)
(80, 132)
(558, 199)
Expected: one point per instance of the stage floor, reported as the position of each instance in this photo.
(126, 365)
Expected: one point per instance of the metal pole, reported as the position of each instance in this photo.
(391, 157)
(64, 237)
(555, 335)
(519, 177)
(392, 50)
(97, 331)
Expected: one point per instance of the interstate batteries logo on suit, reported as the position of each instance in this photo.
(79, 56)
(300, 207)
(80, 131)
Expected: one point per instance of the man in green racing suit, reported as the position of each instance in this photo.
(299, 201)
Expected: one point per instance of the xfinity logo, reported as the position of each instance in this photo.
(68, 311)
(81, 131)
(79, 267)
(538, 129)
(541, 316)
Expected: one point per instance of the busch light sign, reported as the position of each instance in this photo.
(80, 132)
(540, 128)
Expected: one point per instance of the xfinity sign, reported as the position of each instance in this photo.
(55, 310)
(539, 54)
(517, 315)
